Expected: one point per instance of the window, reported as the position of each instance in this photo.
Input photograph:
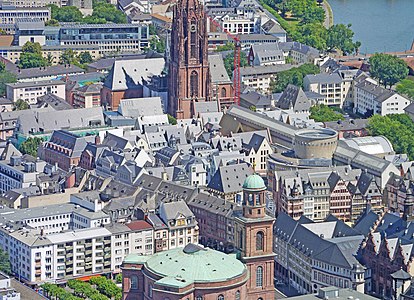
(134, 282)
(193, 39)
(199, 298)
(194, 84)
(220, 297)
(259, 240)
(223, 92)
(259, 277)
(237, 296)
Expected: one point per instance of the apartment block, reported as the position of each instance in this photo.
(19, 172)
(9, 15)
(372, 99)
(30, 91)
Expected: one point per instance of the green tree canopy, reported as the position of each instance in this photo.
(85, 58)
(406, 87)
(52, 22)
(30, 146)
(226, 47)
(293, 76)
(68, 57)
(340, 37)
(31, 56)
(172, 120)
(388, 69)
(4, 262)
(229, 62)
(157, 44)
(108, 12)
(323, 113)
(66, 13)
(6, 77)
(398, 128)
(21, 105)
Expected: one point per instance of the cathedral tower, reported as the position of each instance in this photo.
(189, 75)
(254, 239)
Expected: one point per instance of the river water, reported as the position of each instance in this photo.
(380, 25)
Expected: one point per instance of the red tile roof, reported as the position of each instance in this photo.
(139, 225)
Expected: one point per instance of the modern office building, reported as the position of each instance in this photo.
(9, 15)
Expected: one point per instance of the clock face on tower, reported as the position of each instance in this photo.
(193, 28)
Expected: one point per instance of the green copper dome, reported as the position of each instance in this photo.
(254, 182)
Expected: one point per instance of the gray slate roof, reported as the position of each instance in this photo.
(230, 179)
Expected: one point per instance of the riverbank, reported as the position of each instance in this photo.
(329, 21)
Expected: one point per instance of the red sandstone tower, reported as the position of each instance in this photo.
(254, 238)
(189, 75)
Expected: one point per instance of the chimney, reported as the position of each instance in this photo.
(97, 139)
(164, 176)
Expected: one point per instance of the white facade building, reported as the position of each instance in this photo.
(372, 99)
(30, 91)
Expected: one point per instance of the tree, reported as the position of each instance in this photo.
(323, 113)
(31, 56)
(30, 146)
(340, 37)
(52, 22)
(4, 262)
(406, 87)
(293, 76)
(2, 67)
(157, 44)
(172, 120)
(85, 58)
(6, 77)
(68, 57)
(229, 62)
(398, 128)
(66, 13)
(314, 35)
(21, 105)
(388, 69)
(226, 47)
(108, 12)
(118, 278)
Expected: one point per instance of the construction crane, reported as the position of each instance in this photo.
(236, 63)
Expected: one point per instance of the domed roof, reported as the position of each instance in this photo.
(254, 182)
(194, 263)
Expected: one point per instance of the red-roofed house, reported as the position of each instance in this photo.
(142, 237)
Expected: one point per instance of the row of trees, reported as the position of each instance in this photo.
(98, 288)
(32, 57)
(107, 287)
(306, 26)
(84, 290)
(397, 128)
(323, 113)
(55, 292)
(293, 76)
(102, 13)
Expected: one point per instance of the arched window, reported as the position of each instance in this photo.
(134, 282)
(220, 297)
(194, 84)
(257, 199)
(259, 240)
(199, 298)
(223, 93)
(259, 277)
(260, 298)
(237, 297)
